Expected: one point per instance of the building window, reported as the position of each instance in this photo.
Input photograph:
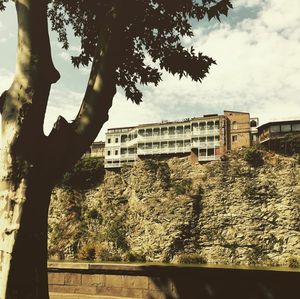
(253, 123)
(234, 138)
(296, 127)
(108, 153)
(124, 138)
(234, 125)
(210, 125)
(108, 140)
(275, 129)
(202, 126)
(116, 152)
(285, 128)
(202, 152)
(117, 140)
(210, 152)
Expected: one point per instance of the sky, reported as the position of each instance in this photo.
(257, 49)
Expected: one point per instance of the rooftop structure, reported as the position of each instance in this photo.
(274, 136)
(206, 138)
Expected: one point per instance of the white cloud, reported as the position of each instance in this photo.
(258, 69)
(65, 55)
(246, 3)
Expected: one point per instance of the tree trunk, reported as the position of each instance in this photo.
(25, 190)
(25, 185)
(30, 161)
(24, 260)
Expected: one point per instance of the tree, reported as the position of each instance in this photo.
(116, 36)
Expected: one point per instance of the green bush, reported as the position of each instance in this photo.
(103, 253)
(87, 252)
(163, 175)
(150, 165)
(254, 157)
(86, 173)
(94, 214)
(298, 159)
(135, 257)
(181, 187)
(293, 262)
(191, 258)
(116, 233)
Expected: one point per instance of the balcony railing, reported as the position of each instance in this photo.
(168, 150)
(210, 144)
(211, 132)
(163, 137)
(128, 143)
(208, 158)
(128, 156)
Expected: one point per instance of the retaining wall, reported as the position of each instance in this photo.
(88, 280)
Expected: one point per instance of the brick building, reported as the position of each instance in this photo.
(207, 138)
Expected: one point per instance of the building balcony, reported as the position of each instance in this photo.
(160, 151)
(211, 144)
(128, 156)
(212, 132)
(112, 163)
(164, 137)
(208, 158)
(129, 143)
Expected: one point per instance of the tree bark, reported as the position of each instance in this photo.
(25, 186)
(32, 162)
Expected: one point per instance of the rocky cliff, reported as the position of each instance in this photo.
(228, 212)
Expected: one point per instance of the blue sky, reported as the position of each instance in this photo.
(257, 49)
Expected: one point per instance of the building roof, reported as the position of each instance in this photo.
(167, 122)
(279, 122)
(236, 112)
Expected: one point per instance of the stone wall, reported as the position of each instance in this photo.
(84, 280)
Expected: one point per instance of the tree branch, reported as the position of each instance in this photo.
(34, 52)
(73, 139)
(24, 104)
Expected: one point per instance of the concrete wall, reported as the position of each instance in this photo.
(83, 280)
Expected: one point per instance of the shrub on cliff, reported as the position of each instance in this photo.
(85, 174)
(116, 234)
(181, 187)
(191, 258)
(293, 262)
(254, 157)
(87, 252)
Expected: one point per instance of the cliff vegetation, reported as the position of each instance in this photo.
(243, 209)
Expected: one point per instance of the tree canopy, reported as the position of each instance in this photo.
(153, 32)
(130, 43)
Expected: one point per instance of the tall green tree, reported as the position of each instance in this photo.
(116, 38)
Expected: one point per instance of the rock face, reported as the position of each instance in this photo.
(226, 211)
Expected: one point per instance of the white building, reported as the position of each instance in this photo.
(207, 138)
